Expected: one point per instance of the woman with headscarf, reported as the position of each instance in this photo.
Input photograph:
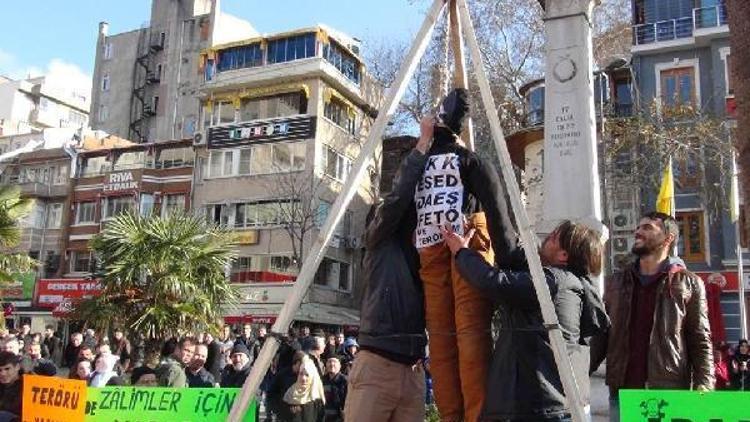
(306, 397)
(105, 369)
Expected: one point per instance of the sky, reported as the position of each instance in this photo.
(54, 36)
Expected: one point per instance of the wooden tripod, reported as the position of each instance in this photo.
(461, 23)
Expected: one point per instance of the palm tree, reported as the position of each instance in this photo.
(12, 209)
(161, 277)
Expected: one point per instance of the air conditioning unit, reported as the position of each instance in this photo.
(354, 242)
(199, 137)
(623, 220)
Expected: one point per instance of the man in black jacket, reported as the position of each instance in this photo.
(236, 373)
(334, 385)
(392, 329)
(523, 383)
(215, 359)
(197, 376)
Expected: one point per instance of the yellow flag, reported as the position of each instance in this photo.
(666, 192)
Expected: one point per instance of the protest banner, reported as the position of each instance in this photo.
(684, 406)
(51, 399)
(147, 404)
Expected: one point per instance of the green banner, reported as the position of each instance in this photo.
(21, 288)
(143, 404)
(684, 406)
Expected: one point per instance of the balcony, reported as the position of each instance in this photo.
(43, 190)
(703, 21)
(667, 30)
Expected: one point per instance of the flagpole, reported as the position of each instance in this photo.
(737, 234)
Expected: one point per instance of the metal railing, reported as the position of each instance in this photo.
(660, 31)
(710, 17)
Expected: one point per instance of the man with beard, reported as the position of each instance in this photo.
(53, 344)
(197, 375)
(660, 337)
(236, 373)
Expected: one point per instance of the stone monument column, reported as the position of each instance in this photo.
(571, 172)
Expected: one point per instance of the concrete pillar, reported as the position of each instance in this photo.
(571, 176)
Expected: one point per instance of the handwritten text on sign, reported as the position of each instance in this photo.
(52, 399)
(136, 404)
(439, 199)
(684, 406)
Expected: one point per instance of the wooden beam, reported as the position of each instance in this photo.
(528, 238)
(310, 266)
(460, 78)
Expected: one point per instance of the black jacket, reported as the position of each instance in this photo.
(481, 189)
(215, 359)
(11, 396)
(523, 383)
(335, 389)
(203, 379)
(231, 377)
(284, 379)
(392, 311)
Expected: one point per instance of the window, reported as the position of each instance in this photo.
(174, 157)
(240, 57)
(172, 203)
(535, 101)
(147, 204)
(336, 165)
(206, 113)
(86, 212)
(283, 105)
(341, 114)
(687, 172)
(241, 268)
(691, 244)
(162, 38)
(218, 214)
(260, 268)
(291, 48)
(81, 262)
(35, 219)
(728, 78)
(343, 61)
(117, 205)
(107, 51)
(103, 113)
(54, 215)
(105, 82)
(333, 274)
(159, 69)
(60, 174)
(623, 101)
(76, 119)
(155, 104)
(226, 112)
(129, 160)
(258, 214)
(220, 163)
(276, 158)
(678, 86)
(93, 166)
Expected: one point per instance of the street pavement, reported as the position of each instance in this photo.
(599, 396)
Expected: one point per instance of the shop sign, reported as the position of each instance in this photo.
(21, 288)
(683, 406)
(281, 129)
(50, 293)
(264, 293)
(247, 237)
(120, 181)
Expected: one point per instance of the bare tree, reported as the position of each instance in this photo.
(698, 143)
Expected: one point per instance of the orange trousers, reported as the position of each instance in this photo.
(458, 321)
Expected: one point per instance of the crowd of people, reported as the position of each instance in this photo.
(306, 382)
